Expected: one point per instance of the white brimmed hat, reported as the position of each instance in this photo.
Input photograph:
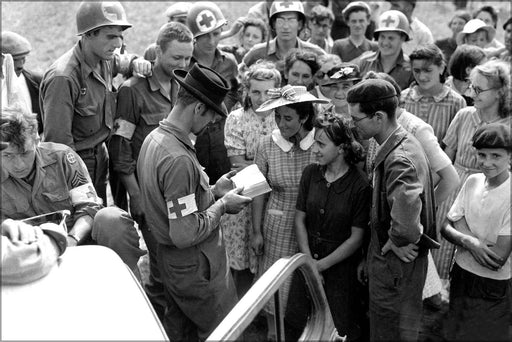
(288, 95)
(474, 25)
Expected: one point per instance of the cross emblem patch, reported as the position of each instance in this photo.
(285, 4)
(183, 206)
(390, 21)
(205, 20)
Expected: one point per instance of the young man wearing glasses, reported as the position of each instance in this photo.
(402, 215)
(287, 19)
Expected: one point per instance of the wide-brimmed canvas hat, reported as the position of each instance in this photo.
(288, 95)
(474, 25)
(206, 85)
(343, 72)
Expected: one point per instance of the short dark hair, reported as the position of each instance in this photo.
(491, 10)
(308, 57)
(173, 31)
(462, 14)
(319, 13)
(431, 53)
(339, 131)
(304, 110)
(256, 22)
(463, 57)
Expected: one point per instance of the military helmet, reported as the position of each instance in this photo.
(287, 6)
(392, 21)
(93, 15)
(205, 17)
(15, 44)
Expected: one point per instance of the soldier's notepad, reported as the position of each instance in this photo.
(252, 180)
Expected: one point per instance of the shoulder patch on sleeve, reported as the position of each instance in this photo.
(124, 128)
(181, 207)
(70, 157)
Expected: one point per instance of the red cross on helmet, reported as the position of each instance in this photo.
(205, 17)
(392, 21)
(287, 6)
(93, 15)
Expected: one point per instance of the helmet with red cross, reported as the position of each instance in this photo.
(93, 15)
(287, 6)
(205, 17)
(392, 21)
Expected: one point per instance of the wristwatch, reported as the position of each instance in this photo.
(74, 237)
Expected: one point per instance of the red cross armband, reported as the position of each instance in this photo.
(84, 194)
(124, 128)
(181, 207)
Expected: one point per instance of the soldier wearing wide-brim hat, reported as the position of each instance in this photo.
(184, 216)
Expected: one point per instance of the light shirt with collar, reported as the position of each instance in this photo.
(287, 145)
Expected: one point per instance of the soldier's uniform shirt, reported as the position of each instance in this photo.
(182, 214)
(260, 51)
(78, 106)
(348, 51)
(142, 103)
(401, 71)
(210, 149)
(60, 181)
(77, 103)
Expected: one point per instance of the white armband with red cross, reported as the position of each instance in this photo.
(84, 194)
(124, 128)
(181, 207)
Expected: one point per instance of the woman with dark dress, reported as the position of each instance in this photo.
(331, 216)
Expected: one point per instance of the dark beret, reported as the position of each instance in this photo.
(493, 135)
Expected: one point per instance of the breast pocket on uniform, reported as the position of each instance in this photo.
(87, 120)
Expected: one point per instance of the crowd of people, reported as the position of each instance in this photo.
(387, 151)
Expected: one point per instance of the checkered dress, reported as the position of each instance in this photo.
(283, 171)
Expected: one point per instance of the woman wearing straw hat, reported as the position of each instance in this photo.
(282, 157)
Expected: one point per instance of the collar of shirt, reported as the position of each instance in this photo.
(287, 145)
(416, 96)
(363, 43)
(389, 144)
(272, 46)
(400, 60)
(85, 68)
(155, 84)
(217, 59)
(337, 186)
(181, 135)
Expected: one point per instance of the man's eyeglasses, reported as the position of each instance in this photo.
(477, 90)
(356, 120)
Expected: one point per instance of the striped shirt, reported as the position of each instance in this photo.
(460, 133)
(438, 111)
